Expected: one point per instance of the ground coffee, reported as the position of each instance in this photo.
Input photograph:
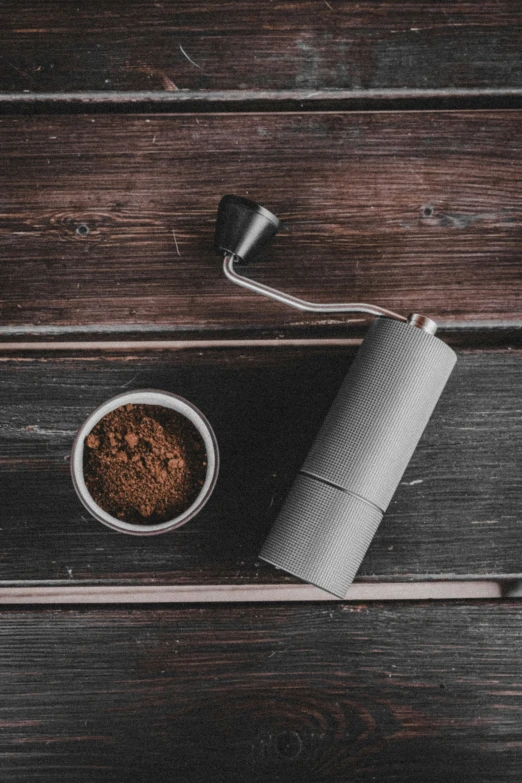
(144, 464)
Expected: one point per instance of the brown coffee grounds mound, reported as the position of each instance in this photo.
(144, 464)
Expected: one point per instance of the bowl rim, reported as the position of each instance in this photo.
(146, 397)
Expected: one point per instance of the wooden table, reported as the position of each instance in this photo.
(387, 137)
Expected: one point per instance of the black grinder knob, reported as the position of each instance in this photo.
(243, 228)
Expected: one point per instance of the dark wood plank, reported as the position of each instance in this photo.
(416, 693)
(413, 211)
(308, 44)
(461, 494)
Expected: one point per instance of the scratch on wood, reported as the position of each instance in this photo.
(188, 58)
(176, 242)
(124, 386)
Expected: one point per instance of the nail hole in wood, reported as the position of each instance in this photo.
(289, 745)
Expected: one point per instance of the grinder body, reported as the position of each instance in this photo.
(349, 477)
(370, 433)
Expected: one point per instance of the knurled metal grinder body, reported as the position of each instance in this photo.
(351, 473)
(370, 433)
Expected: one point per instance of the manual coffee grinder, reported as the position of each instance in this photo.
(369, 435)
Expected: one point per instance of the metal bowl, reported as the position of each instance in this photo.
(146, 397)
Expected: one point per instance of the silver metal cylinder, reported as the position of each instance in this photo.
(360, 454)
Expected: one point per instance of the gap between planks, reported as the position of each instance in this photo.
(160, 345)
(392, 591)
(89, 338)
(262, 101)
(252, 342)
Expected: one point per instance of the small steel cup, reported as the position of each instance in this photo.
(146, 397)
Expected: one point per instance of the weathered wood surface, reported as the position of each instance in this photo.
(308, 44)
(457, 512)
(110, 220)
(416, 693)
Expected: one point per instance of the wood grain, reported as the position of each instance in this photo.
(417, 693)
(456, 513)
(109, 221)
(307, 44)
